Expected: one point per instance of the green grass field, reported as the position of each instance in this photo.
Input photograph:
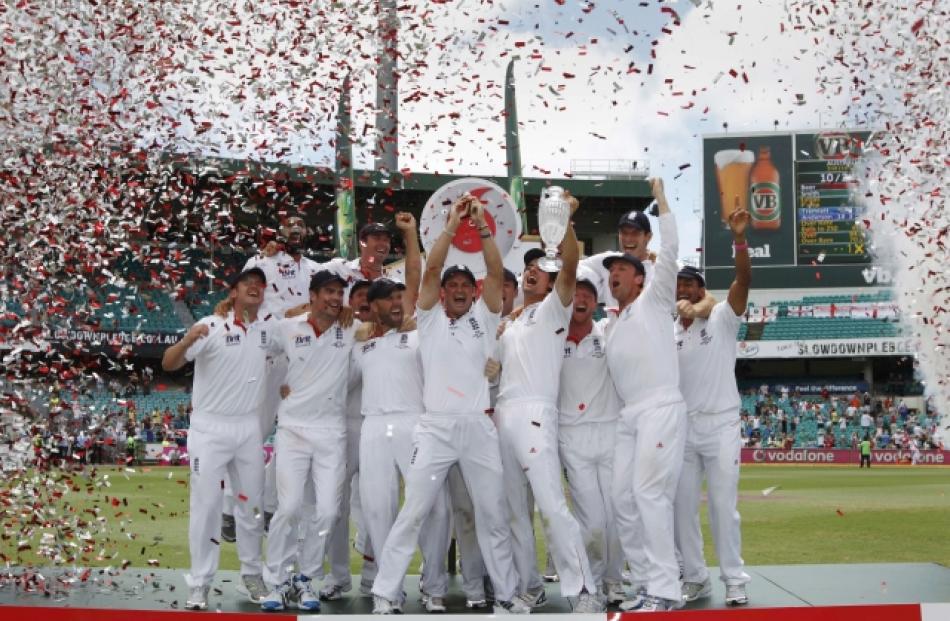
(816, 515)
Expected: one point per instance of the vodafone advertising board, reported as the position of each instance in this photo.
(841, 456)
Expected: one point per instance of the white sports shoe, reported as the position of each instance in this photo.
(382, 606)
(306, 598)
(534, 599)
(278, 599)
(658, 604)
(433, 603)
(197, 598)
(252, 586)
(516, 606)
(332, 592)
(476, 603)
(696, 590)
(736, 595)
(634, 603)
(589, 603)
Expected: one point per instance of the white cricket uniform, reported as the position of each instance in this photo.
(652, 429)
(532, 351)
(351, 271)
(588, 408)
(454, 429)
(392, 404)
(707, 360)
(225, 440)
(601, 275)
(310, 443)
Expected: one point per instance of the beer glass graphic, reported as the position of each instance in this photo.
(732, 174)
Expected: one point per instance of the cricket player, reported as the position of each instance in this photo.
(652, 427)
(531, 351)
(230, 356)
(454, 343)
(588, 408)
(311, 440)
(706, 349)
(634, 233)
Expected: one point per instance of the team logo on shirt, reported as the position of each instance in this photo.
(232, 339)
(704, 337)
(679, 345)
(302, 340)
(263, 337)
(338, 339)
(567, 352)
(403, 341)
(598, 348)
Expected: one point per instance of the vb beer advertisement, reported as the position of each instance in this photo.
(805, 216)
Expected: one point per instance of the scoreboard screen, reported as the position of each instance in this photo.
(828, 220)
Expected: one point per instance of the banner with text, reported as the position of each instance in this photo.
(842, 456)
(827, 348)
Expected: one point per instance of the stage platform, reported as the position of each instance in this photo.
(867, 592)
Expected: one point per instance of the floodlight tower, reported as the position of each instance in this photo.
(387, 88)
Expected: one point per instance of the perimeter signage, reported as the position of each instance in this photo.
(842, 456)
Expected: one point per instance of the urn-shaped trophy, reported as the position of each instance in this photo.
(554, 214)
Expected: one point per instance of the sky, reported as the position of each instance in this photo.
(596, 80)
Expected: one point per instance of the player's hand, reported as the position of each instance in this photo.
(459, 210)
(405, 222)
(572, 201)
(656, 188)
(738, 222)
(365, 331)
(492, 369)
(297, 310)
(477, 212)
(346, 317)
(501, 329)
(408, 324)
(651, 255)
(284, 391)
(197, 331)
(685, 310)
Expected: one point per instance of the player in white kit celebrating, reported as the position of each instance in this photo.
(707, 360)
(311, 440)
(455, 342)
(230, 356)
(531, 352)
(588, 407)
(652, 427)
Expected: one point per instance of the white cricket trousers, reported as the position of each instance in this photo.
(648, 458)
(713, 450)
(440, 440)
(529, 452)
(587, 455)
(338, 547)
(463, 523)
(304, 454)
(221, 447)
(386, 444)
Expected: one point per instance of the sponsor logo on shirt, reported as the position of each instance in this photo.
(287, 271)
(369, 347)
(598, 348)
(302, 340)
(232, 339)
(476, 329)
(704, 337)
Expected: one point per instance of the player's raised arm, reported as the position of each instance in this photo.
(406, 223)
(739, 290)
(432, 278)
(570, 255)
(494, 278)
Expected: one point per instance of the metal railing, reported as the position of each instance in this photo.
(610, 169)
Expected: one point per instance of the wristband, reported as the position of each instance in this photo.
(742, 246)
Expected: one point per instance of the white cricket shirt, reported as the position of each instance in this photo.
(707, 358)
(641, 352)
(230, 363)
(392, 373)
(587, 393)
(531, 351)
(351, 272)
(288, 282)
(317, 372)
(453, 353)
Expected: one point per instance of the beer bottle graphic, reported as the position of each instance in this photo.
(764, 193)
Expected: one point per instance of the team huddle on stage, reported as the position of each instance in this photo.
(482, 410)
